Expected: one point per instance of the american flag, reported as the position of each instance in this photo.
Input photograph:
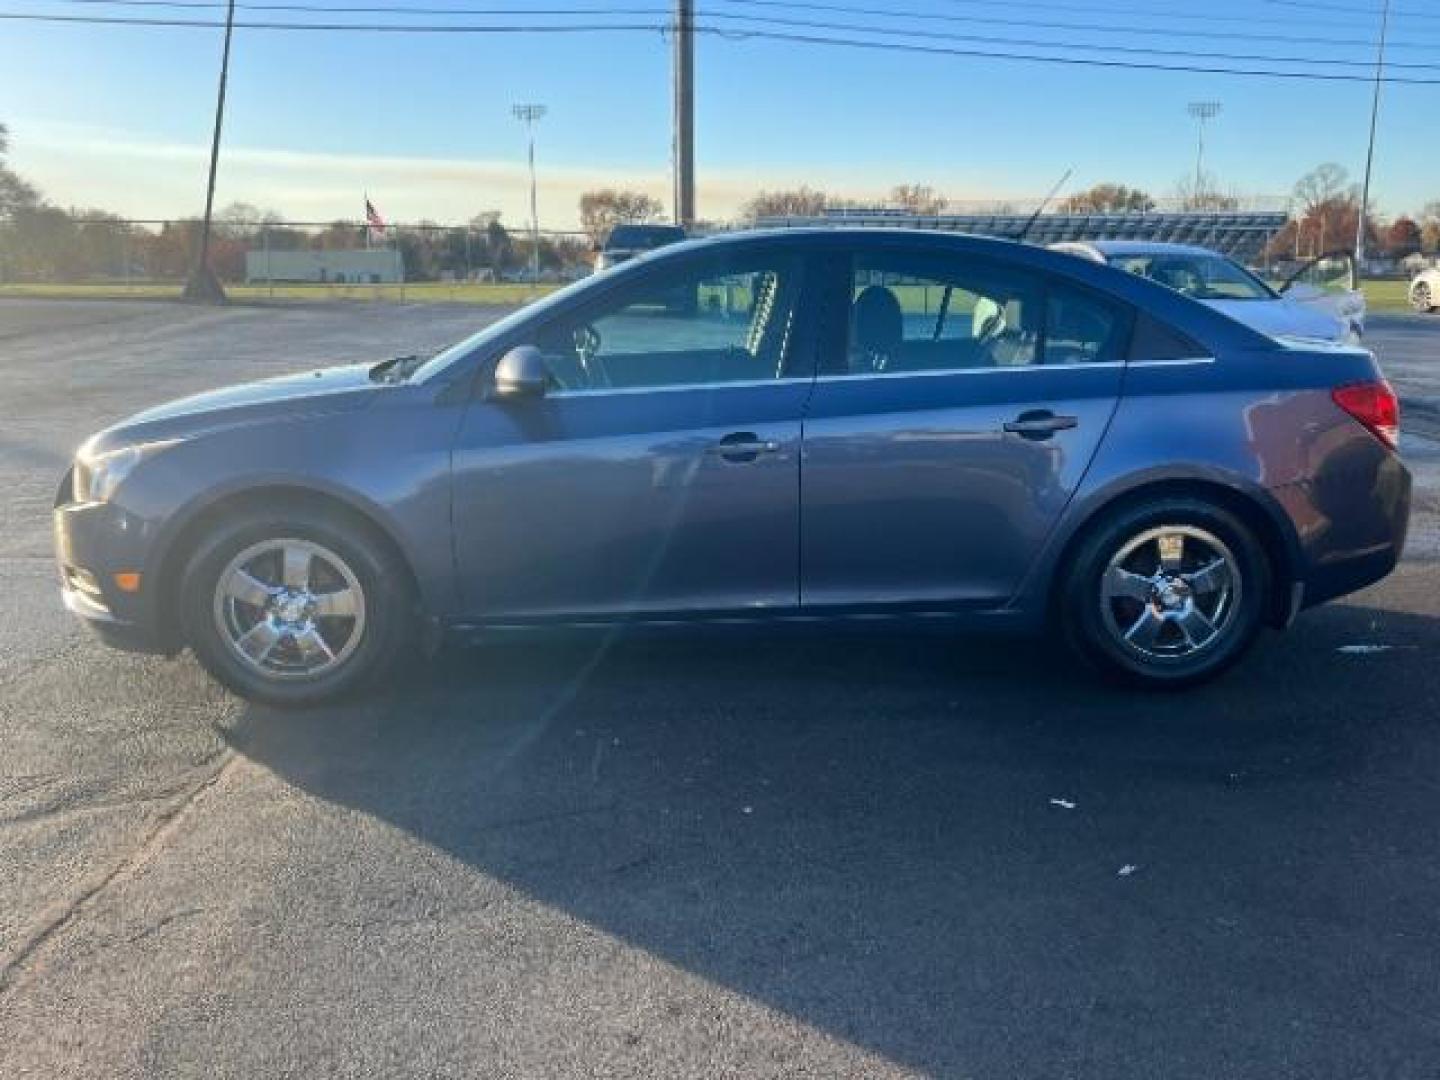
(374, 222)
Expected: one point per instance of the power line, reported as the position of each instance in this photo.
(808, 24)
(1102, 28)
(785, 5)
(1312, 5)
(938, 50)
(728, 33)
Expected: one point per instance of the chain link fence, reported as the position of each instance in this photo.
(48, 247)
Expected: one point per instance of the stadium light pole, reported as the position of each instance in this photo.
(203, 286)
(1370, 148)
(1203, 112)
(529, 115)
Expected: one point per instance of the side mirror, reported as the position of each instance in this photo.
(521, 373)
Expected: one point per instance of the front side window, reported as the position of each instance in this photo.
(723, 321)
(922, 312)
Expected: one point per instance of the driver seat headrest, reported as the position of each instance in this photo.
(877, 321)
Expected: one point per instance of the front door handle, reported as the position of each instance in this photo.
(743, 446)
(1040, 424)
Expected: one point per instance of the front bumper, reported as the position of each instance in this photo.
(93, 542)
(113, 632)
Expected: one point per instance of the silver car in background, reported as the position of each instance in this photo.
(1319, 301)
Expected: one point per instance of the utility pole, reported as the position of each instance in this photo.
(1370, 149)
(1202, 111)
(529, 115)
(684, 148)
(203, 286)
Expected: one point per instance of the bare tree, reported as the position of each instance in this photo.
(1203, 192)
(602, 210)
(1327, 183)
(918, 199)
(1107, 198)
(15, 193)
(1430, 225)
(798, 202)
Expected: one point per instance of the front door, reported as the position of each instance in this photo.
(660, 473)
(954, 415)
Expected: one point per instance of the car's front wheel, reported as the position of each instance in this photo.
(1421, 298)
(1166, 594)
(294, 609)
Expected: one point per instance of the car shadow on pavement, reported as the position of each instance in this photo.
(959, 854)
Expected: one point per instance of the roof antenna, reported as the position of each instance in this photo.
(1043, 203)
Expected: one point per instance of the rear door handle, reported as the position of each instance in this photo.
(1040, 424)
(742, 446)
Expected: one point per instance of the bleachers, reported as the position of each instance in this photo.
(1243, 235)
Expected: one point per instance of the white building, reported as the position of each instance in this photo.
(358, 267)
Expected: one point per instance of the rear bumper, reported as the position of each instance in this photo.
(1360, 538)
(1349, 575)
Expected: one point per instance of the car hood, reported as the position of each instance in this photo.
(309, 393)
(1282, 318)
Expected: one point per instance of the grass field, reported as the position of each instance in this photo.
(1387, 295)
(1381, 295)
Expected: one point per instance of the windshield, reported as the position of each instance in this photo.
(443, 359)
(1201, 276)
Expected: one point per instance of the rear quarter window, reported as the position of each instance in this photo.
(1154, 340)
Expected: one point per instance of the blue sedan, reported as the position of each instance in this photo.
(812, 425)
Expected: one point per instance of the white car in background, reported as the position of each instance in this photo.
(1319, 300)
(1425, 291)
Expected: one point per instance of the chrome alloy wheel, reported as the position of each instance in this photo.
(1170, 592)
(1420, 298)
(290, 608)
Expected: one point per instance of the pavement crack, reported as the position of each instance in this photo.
(63, 914)
(160, 924)
(42, 813)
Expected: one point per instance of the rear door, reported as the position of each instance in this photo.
(960, 401)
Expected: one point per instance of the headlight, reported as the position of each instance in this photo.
(98, 475)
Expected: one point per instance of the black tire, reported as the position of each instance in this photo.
(384, 634)
(1093, 621)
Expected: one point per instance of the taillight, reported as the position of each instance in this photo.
(1375, 405)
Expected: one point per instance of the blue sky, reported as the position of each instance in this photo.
(118, 117)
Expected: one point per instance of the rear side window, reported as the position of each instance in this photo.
(1154, 340)
(914, 311)
(1080, 328)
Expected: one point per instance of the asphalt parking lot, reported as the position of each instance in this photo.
(747, 856)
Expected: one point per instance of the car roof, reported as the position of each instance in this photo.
(1136, 247)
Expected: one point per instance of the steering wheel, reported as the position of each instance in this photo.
(587, 350)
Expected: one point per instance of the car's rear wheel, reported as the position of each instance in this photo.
(295, 609)
(1421, 298)
(1166, 594)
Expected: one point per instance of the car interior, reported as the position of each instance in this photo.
(732, 327)
(967, 330)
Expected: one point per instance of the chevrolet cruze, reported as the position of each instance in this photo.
(834, 425)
